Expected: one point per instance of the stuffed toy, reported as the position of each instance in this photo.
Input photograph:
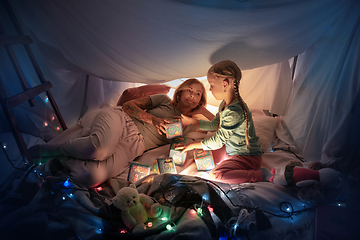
(315, 184)
(135, 208)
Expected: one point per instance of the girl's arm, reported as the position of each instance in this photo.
(202, 111)
(185, 120)
(194, 117)
(136, 109)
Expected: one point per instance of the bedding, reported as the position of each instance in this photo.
(265, 128)
(44, 203)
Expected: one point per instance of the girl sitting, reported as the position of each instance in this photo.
(235, 146)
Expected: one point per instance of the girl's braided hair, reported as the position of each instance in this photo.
(229, 70)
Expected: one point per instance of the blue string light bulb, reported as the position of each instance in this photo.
(67, 183)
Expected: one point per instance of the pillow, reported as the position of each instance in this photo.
(265, 129)
(284, 134)
(141, 92)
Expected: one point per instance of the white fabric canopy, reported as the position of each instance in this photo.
(152, 41)
(161, 40)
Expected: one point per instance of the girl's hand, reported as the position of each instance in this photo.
(188, 146)
(201, 110)
(160, 124)
(185, 120)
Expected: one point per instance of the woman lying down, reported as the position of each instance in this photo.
(104, 141)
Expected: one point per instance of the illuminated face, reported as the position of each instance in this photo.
(216, 86)
(191, 96)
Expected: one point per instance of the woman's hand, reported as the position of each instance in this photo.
(160, 124)
(188, 146)
(136, 109)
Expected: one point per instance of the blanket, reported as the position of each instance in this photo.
(43, 203)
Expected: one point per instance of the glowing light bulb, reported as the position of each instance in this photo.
(164, 219)
(210, 209)
(52, 118)
(45, 124)
(341, 204)
(4, 146)
(46, 100)
(235, 226)
(149, 224)
(169, 227)
(63, 198)
(67, 183)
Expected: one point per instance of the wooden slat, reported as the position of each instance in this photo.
(34, 62)
(18, 136)
(13, 125)
(56, 110)
(10, 52)
(18, 71)
(12, 16)
(13, 40)
(27, 94)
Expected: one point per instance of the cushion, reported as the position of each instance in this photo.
(141, 92)
(284, 134)
(265, 129)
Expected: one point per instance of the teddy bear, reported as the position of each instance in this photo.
(314, 184)
(135, 207)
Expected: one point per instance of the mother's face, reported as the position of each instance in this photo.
(191, 96)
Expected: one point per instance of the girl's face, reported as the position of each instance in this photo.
(191, 96)
(216, 86)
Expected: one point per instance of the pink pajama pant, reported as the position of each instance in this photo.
(235, 169)
(99, 147)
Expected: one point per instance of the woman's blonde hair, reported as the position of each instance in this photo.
(229, 70)
(184, 86)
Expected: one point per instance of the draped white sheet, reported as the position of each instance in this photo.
(160, 40)
(152, 41)
(323, 114)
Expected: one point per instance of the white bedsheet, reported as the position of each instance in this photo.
(272, 134)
